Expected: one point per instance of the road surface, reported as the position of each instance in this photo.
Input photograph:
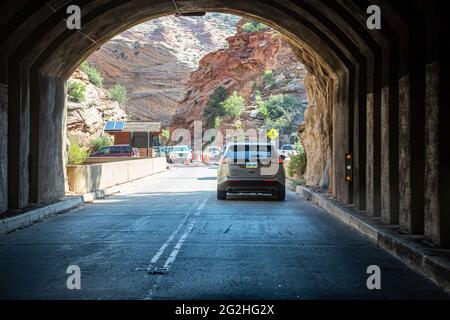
(168, 237)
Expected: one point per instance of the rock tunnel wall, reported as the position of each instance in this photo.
(388, 96)
(317, 131)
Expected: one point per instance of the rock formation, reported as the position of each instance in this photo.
(85, 120)
(316, 131)
(154, 59)
(239, 67)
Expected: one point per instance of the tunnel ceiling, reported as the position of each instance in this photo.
(34, 32)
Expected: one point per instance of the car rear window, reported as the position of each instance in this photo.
(247, 152)
(286, 148)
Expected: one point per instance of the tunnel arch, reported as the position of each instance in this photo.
(381, 79)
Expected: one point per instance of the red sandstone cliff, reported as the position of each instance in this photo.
(239, 67)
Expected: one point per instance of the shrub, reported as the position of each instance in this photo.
(100, 142)
(248, 27)
(267, 78)
(214, 106)
(297, 165)
(253, 26)
(93, 74)
(233, 106)
(76, 154)
(76, 91)
(262, 107)
(118, 93)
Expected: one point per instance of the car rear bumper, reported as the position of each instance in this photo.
(250, 186)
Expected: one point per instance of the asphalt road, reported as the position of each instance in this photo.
(247, 247)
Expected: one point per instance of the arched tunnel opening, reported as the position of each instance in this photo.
(376, 111)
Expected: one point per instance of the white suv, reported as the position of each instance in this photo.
(287, 150)
(180, 154)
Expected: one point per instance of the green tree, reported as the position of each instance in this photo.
(217, 122)
(282, 112)
(253, 26)
(93, 74)
(275, 107)
(76, 91)
(214, 106)
(248, 27)
(165, 134)
(118, 93)
(262, 107)
(233, 106)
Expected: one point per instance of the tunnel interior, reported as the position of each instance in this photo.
(379, 90)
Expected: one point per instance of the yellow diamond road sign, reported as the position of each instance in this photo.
(273, 134)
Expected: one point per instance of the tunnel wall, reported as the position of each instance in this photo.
(3, 147)
(49, 166)
(386, 103)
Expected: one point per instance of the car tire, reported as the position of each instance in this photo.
(221, 195)
(281, 195)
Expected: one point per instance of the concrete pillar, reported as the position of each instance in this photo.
(432, 210)
(437, 189)
(389, 157)
(437, 117)
(389, 143)
(359, 139)
(411, 151)
(444, 142)
(47, 164)
(3, 147)
(412, 125)
(373, 140)
(340, 140)
(18, 137)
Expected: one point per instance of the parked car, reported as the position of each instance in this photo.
(180, 154)
(117, 151)
(287, 150)
(251, 168)
(211, 154)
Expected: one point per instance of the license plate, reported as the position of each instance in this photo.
(251, 165)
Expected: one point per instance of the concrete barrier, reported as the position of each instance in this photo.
(93, 177)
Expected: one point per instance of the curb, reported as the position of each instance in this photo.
(430, 262)
(31, 217)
